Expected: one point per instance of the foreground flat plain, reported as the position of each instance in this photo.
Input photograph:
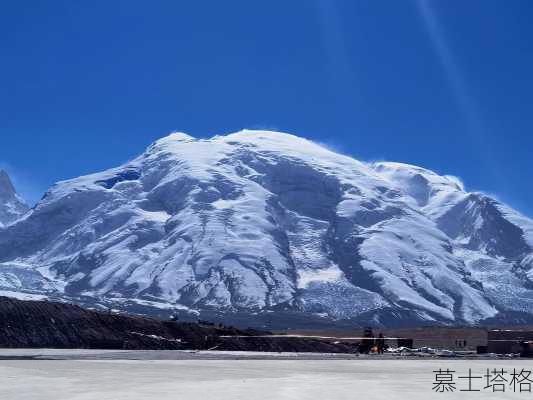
(150, 375)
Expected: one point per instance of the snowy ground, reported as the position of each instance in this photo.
(287, 377)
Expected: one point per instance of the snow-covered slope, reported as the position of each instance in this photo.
(12, 206)
(257, 221)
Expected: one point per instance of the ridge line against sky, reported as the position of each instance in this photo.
(429, 83)
(331, 147)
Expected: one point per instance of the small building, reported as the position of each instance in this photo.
(510, 341)
(443, 338)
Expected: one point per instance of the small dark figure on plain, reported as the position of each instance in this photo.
(368, 342)
(380, 343)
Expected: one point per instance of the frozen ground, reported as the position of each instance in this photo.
(287, 377)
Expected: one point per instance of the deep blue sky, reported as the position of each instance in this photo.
(442, 84)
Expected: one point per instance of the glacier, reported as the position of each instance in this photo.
(260, 223)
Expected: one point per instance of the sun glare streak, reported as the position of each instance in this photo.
(454, 76)
(467, 104)
(338, 64)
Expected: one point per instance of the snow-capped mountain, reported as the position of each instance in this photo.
(257, 221)
(12, 206)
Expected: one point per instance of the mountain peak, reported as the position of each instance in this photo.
(175, 137)
(6, 186)
(256, 221)
(12, 206)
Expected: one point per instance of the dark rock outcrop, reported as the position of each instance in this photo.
(40, 324)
